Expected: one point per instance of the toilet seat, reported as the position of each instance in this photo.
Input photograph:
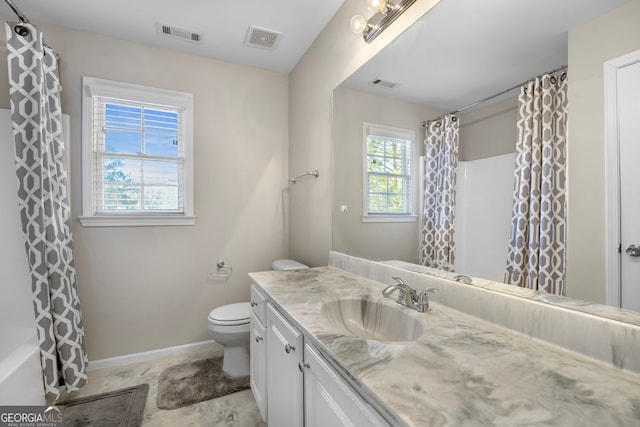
(231, 314)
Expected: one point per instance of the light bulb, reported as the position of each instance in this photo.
(358, 24)
(377, 5)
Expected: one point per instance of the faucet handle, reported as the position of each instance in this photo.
(423, 294)
(424, 299)
(398, 279)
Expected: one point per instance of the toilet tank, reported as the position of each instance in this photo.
(287, 264)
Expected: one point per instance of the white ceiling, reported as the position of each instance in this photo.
(463, 51)
(459, 52)
(224, 24)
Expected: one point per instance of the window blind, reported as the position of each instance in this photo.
(138, 157)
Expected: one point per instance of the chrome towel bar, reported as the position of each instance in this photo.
(312, 173)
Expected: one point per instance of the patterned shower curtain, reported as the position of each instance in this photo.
(440, 165)
(44, 207)
(536, 257)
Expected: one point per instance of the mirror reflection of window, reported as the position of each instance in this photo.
(388, 181)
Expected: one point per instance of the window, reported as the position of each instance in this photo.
(388, 180)
(137, 155)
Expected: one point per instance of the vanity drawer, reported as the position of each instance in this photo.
(259, 304)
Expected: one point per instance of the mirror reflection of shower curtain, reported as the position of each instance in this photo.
(437, 248)
(536, 256)
(36, 114)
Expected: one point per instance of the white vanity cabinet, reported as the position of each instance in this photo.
(258, 349)
(284, 377)
(258, 361)
(291, 380)
(329, 400)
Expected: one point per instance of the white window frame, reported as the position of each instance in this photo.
(92, 87)
(389, 132)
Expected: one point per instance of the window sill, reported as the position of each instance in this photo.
(135, 220)
(389, 218)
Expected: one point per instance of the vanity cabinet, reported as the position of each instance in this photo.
(284, 377)
(258, 349)
(258, 364)
(329, 400)
(292, 382)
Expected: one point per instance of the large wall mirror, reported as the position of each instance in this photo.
(460, 52)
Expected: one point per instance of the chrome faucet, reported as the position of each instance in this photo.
(408, 296)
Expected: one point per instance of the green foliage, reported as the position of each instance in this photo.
(113, 171)
(116, 195)
(388, 175)
(121, 192)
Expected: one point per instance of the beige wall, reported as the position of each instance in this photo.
(375, 240)
(489, 131)
(145, 288)
(607, 37)
(334, 55)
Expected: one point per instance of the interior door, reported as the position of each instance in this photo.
(628, 94)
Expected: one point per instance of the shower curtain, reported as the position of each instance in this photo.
(536, 256)
(43, 201)
(437, 248)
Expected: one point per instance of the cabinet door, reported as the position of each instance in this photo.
(259, 364)
(284, 379)
(329, 400)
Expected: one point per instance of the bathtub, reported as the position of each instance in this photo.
(20, 370)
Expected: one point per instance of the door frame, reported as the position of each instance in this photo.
(612, 176)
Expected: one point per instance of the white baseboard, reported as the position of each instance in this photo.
(128, 359)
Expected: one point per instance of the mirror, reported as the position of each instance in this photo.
(460, 52)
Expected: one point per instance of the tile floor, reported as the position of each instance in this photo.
(236, 409)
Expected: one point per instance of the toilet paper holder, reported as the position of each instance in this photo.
(223, 271)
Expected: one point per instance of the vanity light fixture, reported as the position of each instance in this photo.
(385, 12)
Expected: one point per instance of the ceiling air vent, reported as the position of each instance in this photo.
(383, 83)
(262, 38)
(179, 33)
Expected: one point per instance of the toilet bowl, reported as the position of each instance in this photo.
(229, 326)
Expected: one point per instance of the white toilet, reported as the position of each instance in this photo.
(229, 327)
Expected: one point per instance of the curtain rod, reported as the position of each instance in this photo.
(17, 11)
(426, 122)
(23, 20)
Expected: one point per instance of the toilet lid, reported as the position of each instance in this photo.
(231, 313)
(287, 264)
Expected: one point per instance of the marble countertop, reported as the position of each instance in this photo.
(463, 371)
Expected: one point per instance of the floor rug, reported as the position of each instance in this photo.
(196, 381)
(120, 408)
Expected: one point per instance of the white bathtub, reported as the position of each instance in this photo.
(20, 370)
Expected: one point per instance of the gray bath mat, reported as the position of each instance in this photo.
(120, 408)
(196, 381)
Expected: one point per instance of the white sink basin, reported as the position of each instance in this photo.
(372, 320)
